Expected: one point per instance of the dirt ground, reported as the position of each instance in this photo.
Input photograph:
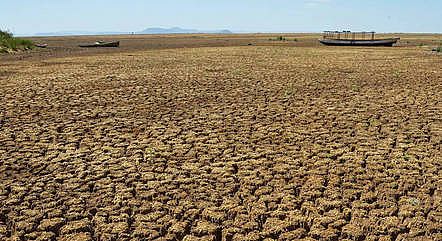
(68, 46)
(195, 137)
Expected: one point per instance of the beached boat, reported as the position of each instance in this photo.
(101, 44)
(41, 45)
(347, 38)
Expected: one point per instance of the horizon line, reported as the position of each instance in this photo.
(54, 34)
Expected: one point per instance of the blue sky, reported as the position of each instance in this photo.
(31, 16)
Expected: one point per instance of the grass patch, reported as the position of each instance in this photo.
(289, 92)
(282, 38)
(355, 88)
(9, 43)
(438, 49)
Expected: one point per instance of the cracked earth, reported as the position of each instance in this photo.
(234, 143)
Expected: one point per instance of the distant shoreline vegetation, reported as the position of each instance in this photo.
(9, 43)
(174, 30)
(282, 38)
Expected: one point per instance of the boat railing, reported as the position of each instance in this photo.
(348, 35)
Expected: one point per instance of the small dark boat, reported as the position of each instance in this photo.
(98, 44)
(347, 38)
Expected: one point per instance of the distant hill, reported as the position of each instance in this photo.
(174, 30)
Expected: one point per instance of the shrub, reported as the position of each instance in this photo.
(10, 43)
(5, 35)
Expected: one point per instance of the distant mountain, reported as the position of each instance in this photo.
(167, 30)
(180, 30)
(174, 30)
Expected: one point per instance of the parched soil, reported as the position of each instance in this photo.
(68, 46)
(223, 143)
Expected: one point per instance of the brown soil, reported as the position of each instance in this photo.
(274, 141)
(68, 46)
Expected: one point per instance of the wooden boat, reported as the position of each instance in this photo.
(347, 38)
(41, 45)
(98, 44)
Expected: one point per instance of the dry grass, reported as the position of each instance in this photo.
(234, 143)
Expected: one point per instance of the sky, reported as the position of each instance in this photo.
(27, 17)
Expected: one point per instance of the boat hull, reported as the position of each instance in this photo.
(105, 45)
(41, 45)
(348, 42)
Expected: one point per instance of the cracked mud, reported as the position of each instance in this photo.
(235, 143)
